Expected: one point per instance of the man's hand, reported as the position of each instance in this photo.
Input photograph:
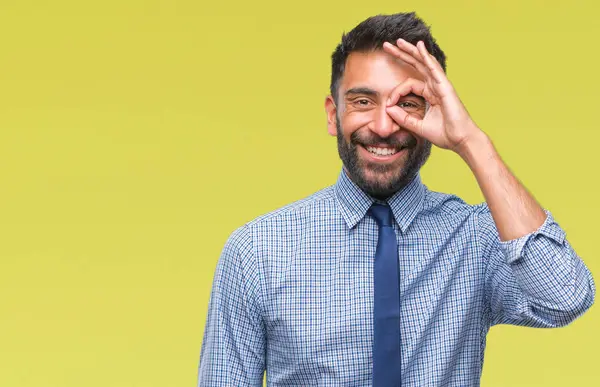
(446, 123)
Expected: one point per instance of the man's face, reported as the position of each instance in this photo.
(378, 155)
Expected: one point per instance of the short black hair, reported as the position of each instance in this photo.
(370, 35)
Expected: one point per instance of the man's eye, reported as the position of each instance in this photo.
(406, 104)
(410, 106)
(362, 102)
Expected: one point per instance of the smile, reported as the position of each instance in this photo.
(382, 151)
(379, 154)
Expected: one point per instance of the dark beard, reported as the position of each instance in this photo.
(399, 176)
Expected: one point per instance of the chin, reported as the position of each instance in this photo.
(380, 184)
(379, 177)
(383, 172)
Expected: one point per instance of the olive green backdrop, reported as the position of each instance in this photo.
(127, 128)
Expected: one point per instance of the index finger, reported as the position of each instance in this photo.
(410, 85)
(432, 64)
(408, 57)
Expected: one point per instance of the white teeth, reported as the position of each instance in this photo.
(382, 151)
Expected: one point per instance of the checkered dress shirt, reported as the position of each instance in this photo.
(293, 290)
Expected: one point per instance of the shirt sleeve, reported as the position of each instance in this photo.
(537, 280)
(233, 347)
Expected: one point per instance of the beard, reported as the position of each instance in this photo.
(381, 180)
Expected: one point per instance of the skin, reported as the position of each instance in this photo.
(362, 121)
(410, 69)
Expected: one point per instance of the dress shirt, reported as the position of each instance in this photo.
(293, 290)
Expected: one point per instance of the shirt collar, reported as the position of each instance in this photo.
(354, 202)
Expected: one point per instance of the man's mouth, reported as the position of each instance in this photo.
(383, 151)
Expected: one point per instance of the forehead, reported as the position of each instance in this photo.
(377, 70)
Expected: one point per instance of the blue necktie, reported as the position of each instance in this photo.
(386, 313)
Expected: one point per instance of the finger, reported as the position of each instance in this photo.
(432, 65)
(437, 64)
(411, 49)
(410, 85)
(405, 120)
(406, 57)
(416, 53)
(434, 60)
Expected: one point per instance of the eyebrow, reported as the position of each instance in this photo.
(362, 90)
(374, 93)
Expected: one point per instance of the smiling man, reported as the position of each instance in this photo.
(380, 158)
(376, 280)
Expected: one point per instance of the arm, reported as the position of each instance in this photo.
(516, 213)
(536, 280)
(233, 348)
(533, 275)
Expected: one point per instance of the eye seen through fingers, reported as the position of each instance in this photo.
(410, 105)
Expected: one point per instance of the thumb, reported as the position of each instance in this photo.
(405, 120)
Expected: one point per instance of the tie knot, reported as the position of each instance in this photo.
(382, 214)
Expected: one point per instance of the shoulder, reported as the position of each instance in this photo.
(452, 207)
(318, 203)
(449, 214)
(285, 220)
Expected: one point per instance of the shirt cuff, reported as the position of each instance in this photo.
(513, 249)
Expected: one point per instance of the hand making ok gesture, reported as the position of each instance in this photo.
(446, 123)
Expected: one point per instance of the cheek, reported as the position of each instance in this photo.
(353, 122)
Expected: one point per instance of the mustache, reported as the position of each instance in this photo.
(372, 139)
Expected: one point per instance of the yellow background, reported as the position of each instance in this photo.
(128, 128)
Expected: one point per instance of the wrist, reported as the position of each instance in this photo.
(476, 150)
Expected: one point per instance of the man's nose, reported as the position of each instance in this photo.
(383, 125)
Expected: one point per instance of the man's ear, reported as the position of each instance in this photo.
(331, 111)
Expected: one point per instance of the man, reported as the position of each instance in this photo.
(376, 280)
